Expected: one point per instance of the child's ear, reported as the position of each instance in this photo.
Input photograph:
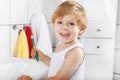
(82, 30)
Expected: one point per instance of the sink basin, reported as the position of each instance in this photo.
(11, 68)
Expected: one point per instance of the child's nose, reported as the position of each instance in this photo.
(65, 26)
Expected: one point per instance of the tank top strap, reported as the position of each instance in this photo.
(71, 47)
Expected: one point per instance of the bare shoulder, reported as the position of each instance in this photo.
(76, 52)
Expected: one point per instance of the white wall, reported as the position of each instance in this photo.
(17, 14)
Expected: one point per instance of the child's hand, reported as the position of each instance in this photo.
(42, 57)
(24, 77)
(33, 54)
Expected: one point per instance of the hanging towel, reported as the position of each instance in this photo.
(29, 39)
(22, 48)
(41, 34)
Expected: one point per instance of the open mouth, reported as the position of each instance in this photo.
(65, 35)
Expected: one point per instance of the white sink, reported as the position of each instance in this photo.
(11, 68)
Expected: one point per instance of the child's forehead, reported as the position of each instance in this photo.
(70, 15)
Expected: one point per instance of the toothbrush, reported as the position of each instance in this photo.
(34, 46)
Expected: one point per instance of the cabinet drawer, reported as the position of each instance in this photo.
(98, 67)
(100, 29)
(98, 46)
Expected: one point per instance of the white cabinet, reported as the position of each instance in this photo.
(99, 41)
(34, 7)
(18, 11)
(4, 12)
(4, 40)
(98, 67)
(100, 10)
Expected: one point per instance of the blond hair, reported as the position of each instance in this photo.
(71, 7)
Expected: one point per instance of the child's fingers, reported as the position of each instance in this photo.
(33, 53)
(24, 77)
(33, 56)
(39, 52)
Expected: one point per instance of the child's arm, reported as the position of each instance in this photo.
(73, 59)
(42, 57)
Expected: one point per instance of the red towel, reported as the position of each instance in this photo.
(29, 39)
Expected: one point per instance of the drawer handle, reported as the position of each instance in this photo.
(99, 30)
(98, 47)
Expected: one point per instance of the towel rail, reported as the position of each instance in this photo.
(18, 27)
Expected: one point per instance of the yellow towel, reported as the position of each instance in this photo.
(22, 48)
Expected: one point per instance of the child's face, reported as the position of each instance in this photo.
(66, 28)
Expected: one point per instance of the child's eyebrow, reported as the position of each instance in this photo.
(71, 21)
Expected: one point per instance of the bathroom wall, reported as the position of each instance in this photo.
(14, 15)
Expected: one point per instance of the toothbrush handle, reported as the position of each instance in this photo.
(34, 46)
(37, 58)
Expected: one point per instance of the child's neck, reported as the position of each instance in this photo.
(69, 43)
(63, 46)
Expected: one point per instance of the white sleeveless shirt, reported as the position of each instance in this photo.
(57, 60)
